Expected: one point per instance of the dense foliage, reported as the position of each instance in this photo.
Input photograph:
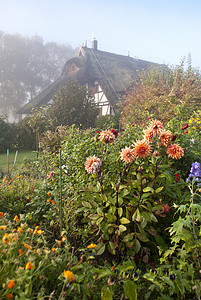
(158, 92)
(72, 104)
(105, 215)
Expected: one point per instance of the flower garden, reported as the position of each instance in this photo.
(105, 215)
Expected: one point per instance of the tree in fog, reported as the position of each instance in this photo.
(27, 66)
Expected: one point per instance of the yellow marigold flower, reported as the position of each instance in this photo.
(9, 296)
(165, 137)
(1, 214)
(156, 126)
(28, 266)
(91, 246)
(48, 200)
(128, 154)
(16, 219)
(69, 275)
(3, 227)
(63, 239)
(26, 245)
(11, 284)
(175, 151)
(107, 137)
(142, 148)
(6, 238)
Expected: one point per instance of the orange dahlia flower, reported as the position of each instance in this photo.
(128, 154)
(148, 134)
(156, 126)
(175, 151)
(142, 148)
(92, 164)
(165, 137)
(107, 136)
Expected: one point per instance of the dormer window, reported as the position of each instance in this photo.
(72, 69)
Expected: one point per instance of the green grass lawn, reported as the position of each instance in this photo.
(21, 156)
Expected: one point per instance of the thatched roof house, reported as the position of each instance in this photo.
(106, 75)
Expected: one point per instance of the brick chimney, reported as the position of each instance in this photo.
(95, 44)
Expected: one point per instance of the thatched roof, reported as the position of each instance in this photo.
(113, 72)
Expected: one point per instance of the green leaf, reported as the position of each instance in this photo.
(100, 249)
(106, 293)
(124, 221)
(148, 189)
(111, 247)
(136, 246)
(99, 211)
(104, 273)
(158, 190)
(86, 204)
(151, 277)
(128, 237)
(111, 218)
(142, 238)
(120, 211)
(122, 228)
(124, 193)
(130, 290)
(137, 216)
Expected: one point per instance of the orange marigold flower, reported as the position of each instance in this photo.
(6, 238)
(1, 214)
(165, 137)
(59, 243)
(26, 246)
(92, 164)
(69, 275)
(148, 134)
(3, 227)
(107, 136)
(128, 154)
(53, 249)
(92, 246)
(20, 251)
(11, 284)
(142, 148)
(175, 151)
(9, 296)
(16, 219)
(156, 126)
(53, 202)
(29, 266)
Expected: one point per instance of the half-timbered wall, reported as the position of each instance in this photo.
(101, 100)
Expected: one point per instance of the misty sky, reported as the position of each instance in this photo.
(154, 30)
